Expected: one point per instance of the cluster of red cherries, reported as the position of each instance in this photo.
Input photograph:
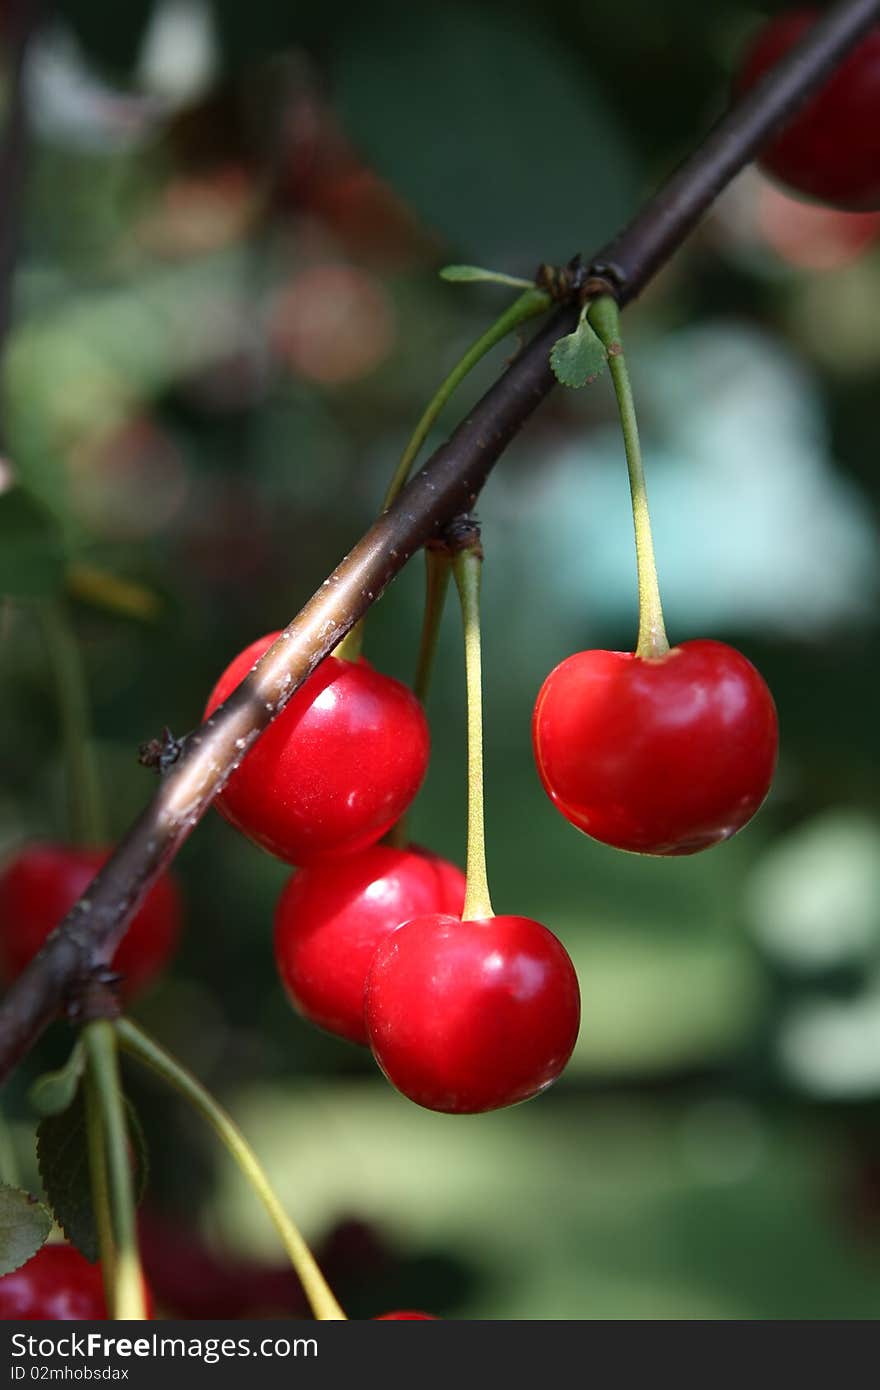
(662, 756)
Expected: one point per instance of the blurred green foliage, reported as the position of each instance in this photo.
(228, 318)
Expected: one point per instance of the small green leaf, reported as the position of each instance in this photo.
(578, 358)
(31, 547)
(24, 1225)
(54, 1091)
(63, 1158)
(467, 274)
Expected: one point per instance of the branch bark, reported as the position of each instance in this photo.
(448, 483)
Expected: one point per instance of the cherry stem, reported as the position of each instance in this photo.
(467, 567)
(127, 1298)
(652, 642)
(99, 1184)
(140, 1045)
(438, 568)
(526, 306)
(83, 791)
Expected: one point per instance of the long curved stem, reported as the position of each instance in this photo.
(527, 306)
(99, 1039)
(467, 566)
(139, 1045)
(652, 642)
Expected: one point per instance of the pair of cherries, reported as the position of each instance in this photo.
(462, 1016)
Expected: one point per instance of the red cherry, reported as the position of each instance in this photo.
(467, 1016)
(332, 916)
(40, 886)
(664, 756)
(57, 1284)
(406, 1317)
(830, 149)
(337, 767)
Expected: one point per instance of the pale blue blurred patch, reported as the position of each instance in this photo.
(754, 526)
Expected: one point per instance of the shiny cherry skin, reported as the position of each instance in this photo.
(40, 885)
(57, 1284)
(468, 1016)
(830, 149)
(332, 916)
(336, 768)
(405, 1317)
(664, 756)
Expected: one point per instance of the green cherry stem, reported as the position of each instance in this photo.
(526, 306)
(100, 1189)
(652, 642)
(127, 1296)
(140, 1045)
(438, 568)
(467, 566)
(83, 794)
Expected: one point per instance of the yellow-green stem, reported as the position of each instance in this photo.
(127, 1293)
(652, 642)
(100, 1189)
(139, 1045)
(83, 792)
(467, 566)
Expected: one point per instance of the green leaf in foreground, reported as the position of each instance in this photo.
(470, 274)
(579, 357)
(24, 1225)
(63, 1158)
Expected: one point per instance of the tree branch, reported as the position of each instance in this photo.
(448, 483)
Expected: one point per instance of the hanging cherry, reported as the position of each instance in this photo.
(665, 750)
(336, 768)
(470, 1014)
(39, 886)
(58, 1284)
(830, 148)
(332, 916)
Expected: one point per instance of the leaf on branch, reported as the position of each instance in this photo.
(579, 357)
(32, 556)
(63, 1159)
(468, 274)
(24, 1225)
(55, 1090)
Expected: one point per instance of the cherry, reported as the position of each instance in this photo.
(468, 1016)
(332, 916)
(830, 149)
(337, 767)
(40, 885)
(57, 1284)
(405, 1317)
(662, 756)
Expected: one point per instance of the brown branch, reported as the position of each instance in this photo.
(448, 484)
